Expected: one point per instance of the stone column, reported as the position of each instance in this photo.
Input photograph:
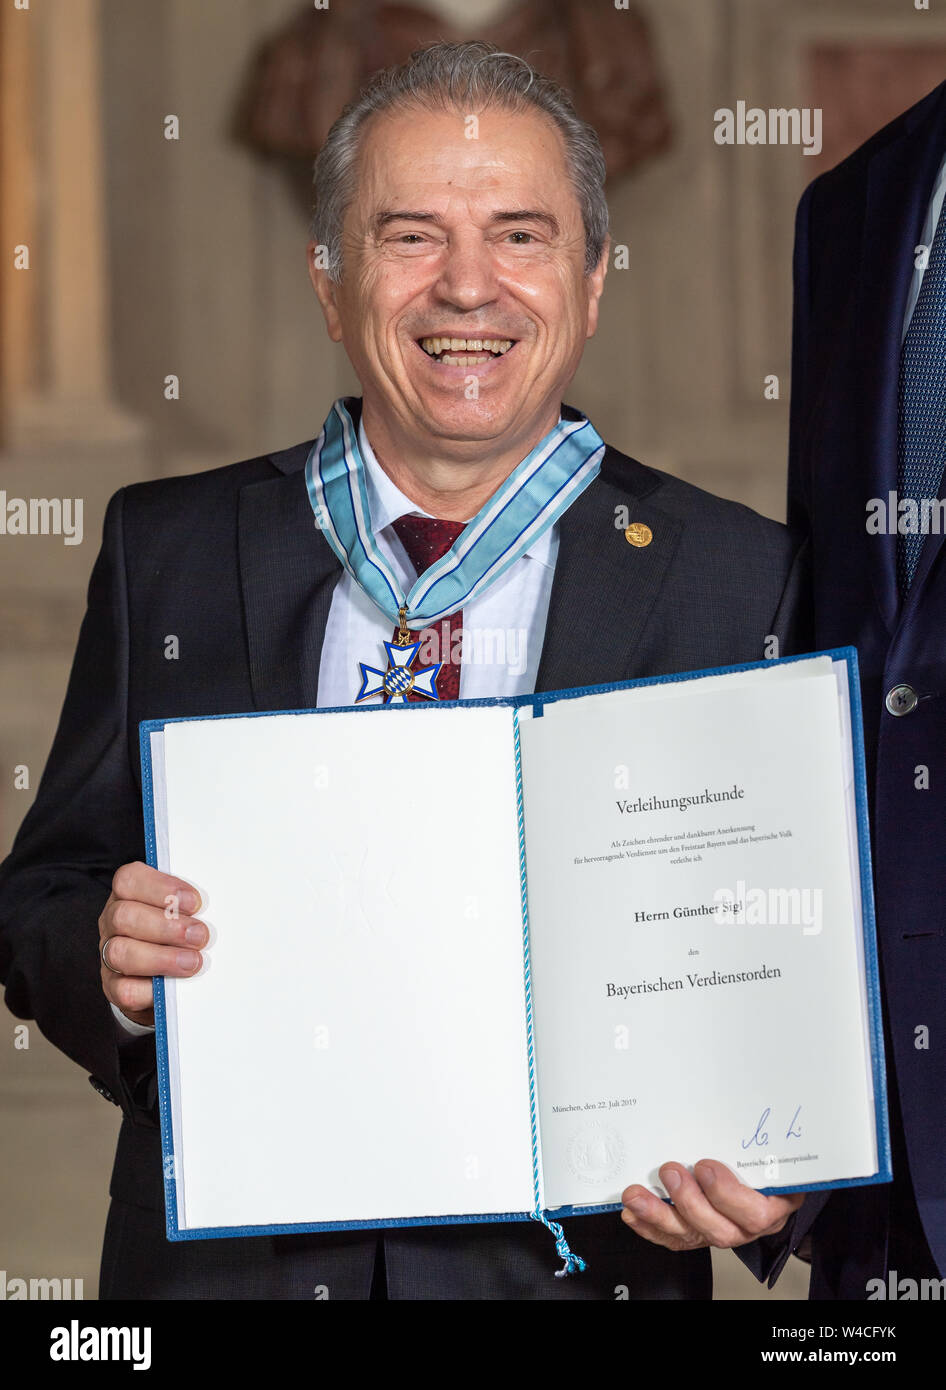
(56, 374)
(18, 308)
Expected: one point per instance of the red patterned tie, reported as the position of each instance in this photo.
(426, 540)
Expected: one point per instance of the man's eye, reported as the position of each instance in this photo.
(408, 235)
(523, 234)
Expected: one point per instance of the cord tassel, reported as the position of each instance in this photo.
(574, 1264)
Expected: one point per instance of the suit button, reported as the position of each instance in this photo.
(901, 699)
(102, 1089)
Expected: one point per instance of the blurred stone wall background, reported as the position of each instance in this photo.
(151, 257)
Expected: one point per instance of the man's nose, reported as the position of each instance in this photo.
(468, 274)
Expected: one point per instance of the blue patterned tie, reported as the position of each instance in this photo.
(922, 405)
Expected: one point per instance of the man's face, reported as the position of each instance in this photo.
(475, 239)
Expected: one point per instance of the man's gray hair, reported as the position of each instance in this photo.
(456, 77)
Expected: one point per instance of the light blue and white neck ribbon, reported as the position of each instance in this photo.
(532, 498)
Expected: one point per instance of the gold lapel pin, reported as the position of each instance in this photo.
(638, 534)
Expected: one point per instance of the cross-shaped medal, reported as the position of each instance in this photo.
(398, 681)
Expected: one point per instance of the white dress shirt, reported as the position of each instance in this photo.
(504, 627)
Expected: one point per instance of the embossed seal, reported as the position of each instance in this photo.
(595, 1153)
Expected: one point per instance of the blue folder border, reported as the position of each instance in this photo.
(537, 702)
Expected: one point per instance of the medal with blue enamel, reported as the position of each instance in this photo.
(531, 500)
(399, 681)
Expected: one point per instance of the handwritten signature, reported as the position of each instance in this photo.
(760, 1135)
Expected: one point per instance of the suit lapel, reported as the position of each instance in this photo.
(604, 589)
(900, 180)
(287, 573)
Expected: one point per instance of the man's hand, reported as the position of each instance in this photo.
(711, 1208)
(149, 931)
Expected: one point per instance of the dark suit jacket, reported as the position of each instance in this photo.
(229, 562)
(856, 231)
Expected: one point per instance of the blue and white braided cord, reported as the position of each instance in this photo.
(572, 1262)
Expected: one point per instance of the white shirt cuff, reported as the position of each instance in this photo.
(136, 1030)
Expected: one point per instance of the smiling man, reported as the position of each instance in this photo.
(459, 255)
(463, 288)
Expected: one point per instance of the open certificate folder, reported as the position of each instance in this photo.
(487, 960)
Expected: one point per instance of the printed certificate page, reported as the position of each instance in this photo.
(696, 937)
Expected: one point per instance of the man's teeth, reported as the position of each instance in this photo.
(495, 346)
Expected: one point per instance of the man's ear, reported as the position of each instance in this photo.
(596, 286)
(325, 290)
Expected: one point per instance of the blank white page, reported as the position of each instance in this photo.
(355, 1046)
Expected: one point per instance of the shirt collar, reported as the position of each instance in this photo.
(387, 502)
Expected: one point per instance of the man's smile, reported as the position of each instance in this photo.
(444, 351)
